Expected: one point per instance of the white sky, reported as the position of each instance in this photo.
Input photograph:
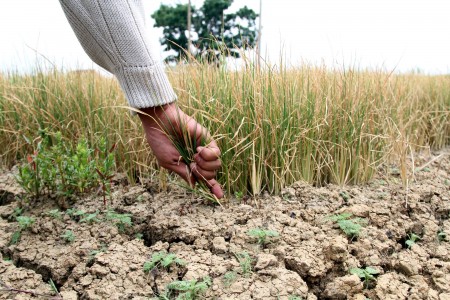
(403, 35)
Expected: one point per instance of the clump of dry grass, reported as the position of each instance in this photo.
(274, 125)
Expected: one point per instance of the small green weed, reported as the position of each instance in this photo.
(164, 260)
(229, 278)
(351, 227)
(69, 236)
(367, 274)
(90, 218)
(24, 223)
(262, 235)
(139, 236)
(93, 253)
(53, 287)
(245, 262)
(412, 239)
(187, 290)
(441, 236)
(120, 220)
(18, 211)
(55, 214)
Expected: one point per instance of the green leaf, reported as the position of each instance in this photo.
(359, 272)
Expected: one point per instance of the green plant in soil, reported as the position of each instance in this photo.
(24, 224)
(186, 290)
(16, 213)
(245, 262)
(53, 287)
(262, 235)
(55, 214)
(441, 236)
(367, 274)
(164, 260)
(229, 278)
(65, 169)
(68, 236)
(120, 220)
(295, 298)
(351, 227)
(93, 253)
(412, 239)
(90, 218)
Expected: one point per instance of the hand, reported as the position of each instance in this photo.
(156, 121)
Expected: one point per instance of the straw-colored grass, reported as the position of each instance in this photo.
(274, 125)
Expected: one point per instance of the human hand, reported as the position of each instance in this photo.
(206, 161)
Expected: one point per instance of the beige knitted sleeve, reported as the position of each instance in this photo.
(113, 34)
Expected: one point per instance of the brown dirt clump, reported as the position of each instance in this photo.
(311, 258)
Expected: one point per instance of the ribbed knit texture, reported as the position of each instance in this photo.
(113, 34)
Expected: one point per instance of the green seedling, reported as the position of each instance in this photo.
(344, 196)
(367, 274)
(16, 213)
(295, 298)
(441, 236)
(262, 235)
(90, 218)
(163, 260)
(351, 227)
(139, 236)
(412, 239)
(245, 262)
(239, 195)
(68, 236)
(187, 290)
(53, 287)
(229, 278)
(55, 214)
(24, 224)
(75, 214)
(93, 253)
(120, 220)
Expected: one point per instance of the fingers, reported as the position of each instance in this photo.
(203, 164)
(215, 188)
(210, 152)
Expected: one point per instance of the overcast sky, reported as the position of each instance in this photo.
(385, 34)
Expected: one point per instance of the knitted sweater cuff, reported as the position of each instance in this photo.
(145, 86)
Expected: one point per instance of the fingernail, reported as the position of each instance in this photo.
(200, 148)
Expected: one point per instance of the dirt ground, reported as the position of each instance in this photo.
(310, 259)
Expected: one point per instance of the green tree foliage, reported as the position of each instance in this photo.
(214, 29)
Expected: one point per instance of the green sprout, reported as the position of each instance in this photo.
(351, 227)
(245, 262)
(24, 224)
(90, 218)
(120, 220)
(187, 290)
(69, 236)
(412, 239)
(229, 278)
(55, 214)
(367, 274)
(262, 235)
(164, 260)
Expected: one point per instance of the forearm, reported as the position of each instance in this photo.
(113, 34)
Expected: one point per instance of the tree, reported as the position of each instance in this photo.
(214, 30)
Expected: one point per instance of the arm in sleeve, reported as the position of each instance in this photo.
(113, 34)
